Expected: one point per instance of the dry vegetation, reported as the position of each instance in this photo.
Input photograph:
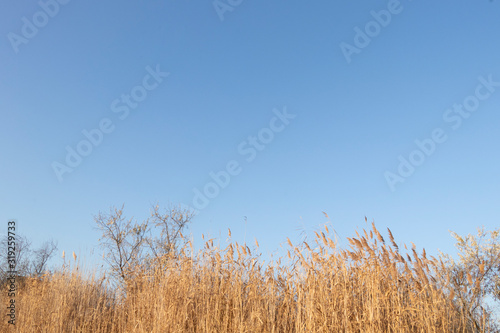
(372, 287)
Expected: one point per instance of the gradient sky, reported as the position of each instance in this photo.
(352, 120)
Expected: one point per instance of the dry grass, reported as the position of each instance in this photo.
(371, 287)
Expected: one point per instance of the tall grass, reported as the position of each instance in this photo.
(371, 287)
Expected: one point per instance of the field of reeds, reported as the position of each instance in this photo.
(373, 286)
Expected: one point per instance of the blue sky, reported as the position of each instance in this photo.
(230, 72)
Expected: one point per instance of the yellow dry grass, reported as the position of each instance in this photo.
(370, 287)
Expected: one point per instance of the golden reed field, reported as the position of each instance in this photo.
(373, 286)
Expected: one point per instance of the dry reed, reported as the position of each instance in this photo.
(369, 287)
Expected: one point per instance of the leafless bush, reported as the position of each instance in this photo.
(132, 247)
(475, 277)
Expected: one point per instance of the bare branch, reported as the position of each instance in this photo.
(42, 256)
(131, 247)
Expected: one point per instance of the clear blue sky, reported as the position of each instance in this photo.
(353, 119)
